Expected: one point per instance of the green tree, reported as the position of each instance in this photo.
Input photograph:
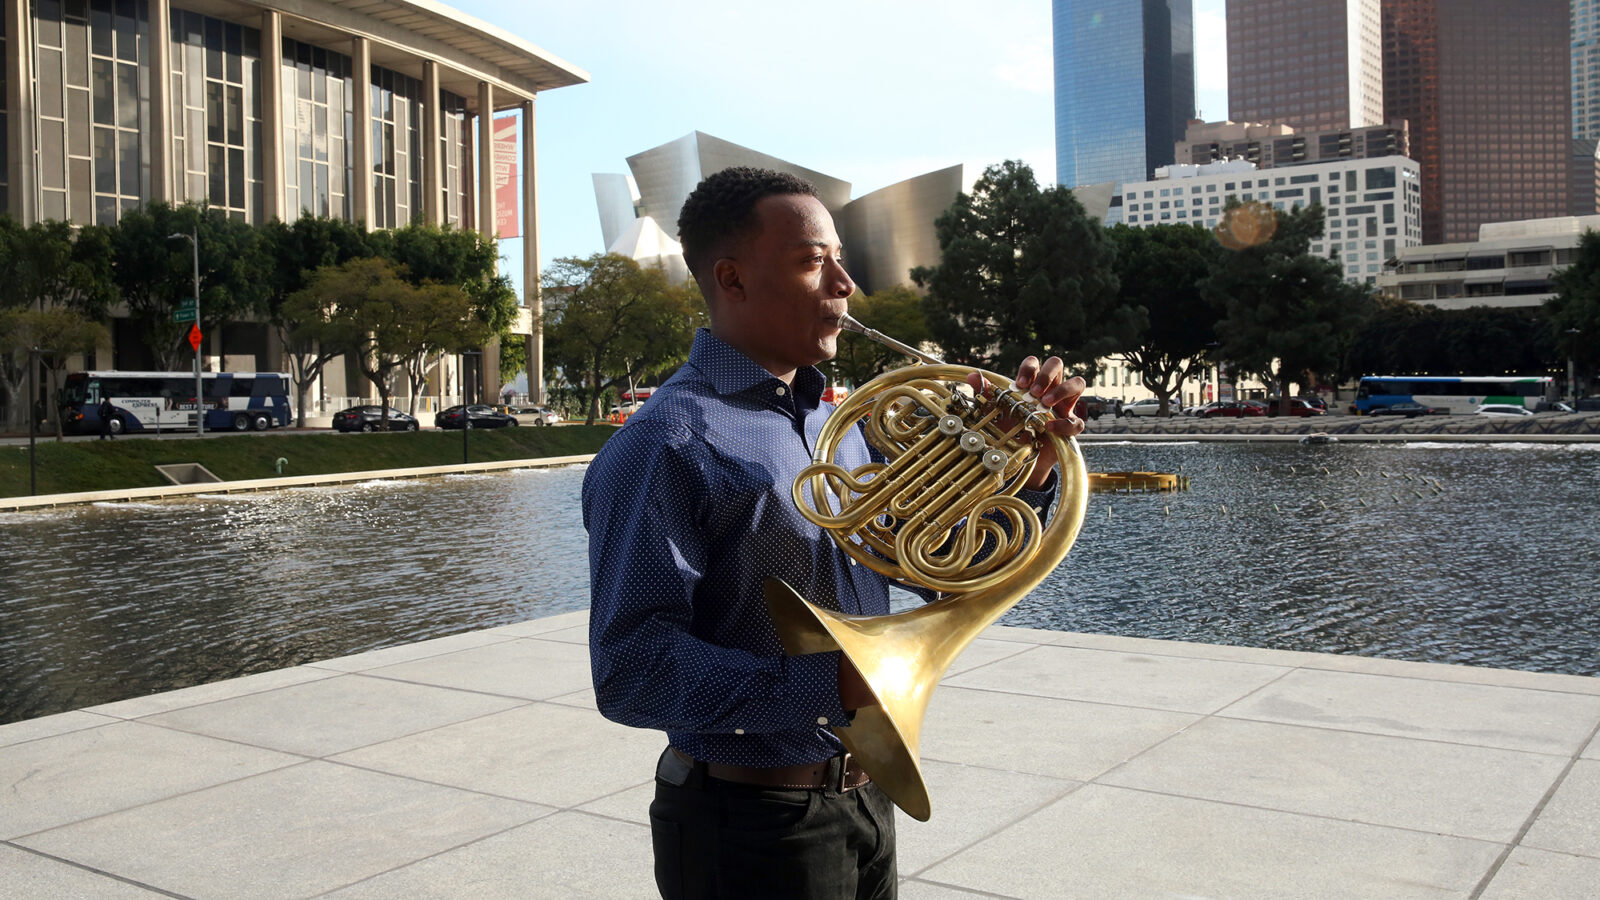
(454, 256)
(1286, 314)
(366, 310)
(1161, 270)
(44, 268)
(1574, 312)
(609, 323)
(1405, 338)
(154, 271)
(297, 252)
(895, 311)
(1021, 271)
(57, 334)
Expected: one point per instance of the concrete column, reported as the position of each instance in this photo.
(486, 160)
(491, 351)
(432, 161)
(530, 254)
(272, 117)
(361, 63)
(161, 181)
(22, 175)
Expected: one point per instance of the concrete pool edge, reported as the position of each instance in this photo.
(163, 492)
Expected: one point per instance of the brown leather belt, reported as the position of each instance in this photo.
(841, 773)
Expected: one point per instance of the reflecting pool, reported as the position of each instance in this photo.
(1479, 554)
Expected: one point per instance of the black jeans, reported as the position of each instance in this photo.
(717, 839)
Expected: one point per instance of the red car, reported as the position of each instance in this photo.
(1297, 407)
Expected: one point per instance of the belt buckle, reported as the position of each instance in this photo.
(844, 775)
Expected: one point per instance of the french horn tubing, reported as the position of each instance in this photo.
(941, 513)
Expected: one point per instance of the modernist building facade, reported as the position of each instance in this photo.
(1124, 87)
(372, 112)
(1510, 264)
(1312, 66)
(1373, 207)
(885, 233)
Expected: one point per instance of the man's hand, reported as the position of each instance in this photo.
(853, 690)
(1059, 396)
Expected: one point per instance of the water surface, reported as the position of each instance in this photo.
(1480, 554)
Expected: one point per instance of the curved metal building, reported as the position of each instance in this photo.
(375, 111)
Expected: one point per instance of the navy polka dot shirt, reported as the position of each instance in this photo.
(688, 509)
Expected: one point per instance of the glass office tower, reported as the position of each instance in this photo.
(1124, 83)
(1486, 86)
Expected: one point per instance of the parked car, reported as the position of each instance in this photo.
(1404, 408)
(1232, 409)
(1314, 400)
(1091, 407)
(1297, 407)
(476, 416)
(1149, 406)
(370, 418)
(1502, 409)
(1553, 406)
(531, 415)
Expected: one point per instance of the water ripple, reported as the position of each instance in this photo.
(1479, 554)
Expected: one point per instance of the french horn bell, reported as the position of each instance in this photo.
(941, 513)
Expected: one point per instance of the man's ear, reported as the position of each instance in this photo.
(725, 274)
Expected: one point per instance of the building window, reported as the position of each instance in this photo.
(216, 118)
(93, 108)
(397, 111)
(318, 120)
(455, 135)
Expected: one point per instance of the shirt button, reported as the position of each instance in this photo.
(780, 390)
(822, 720)
(738, 731)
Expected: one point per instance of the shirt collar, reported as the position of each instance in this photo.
(731, 372)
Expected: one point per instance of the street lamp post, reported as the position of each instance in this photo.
(33, 420)
(466, 412)
(1572, 378)
(199, 394)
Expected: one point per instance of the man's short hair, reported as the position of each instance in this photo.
(721, 210)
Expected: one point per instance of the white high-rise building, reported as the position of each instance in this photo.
(1373, 207)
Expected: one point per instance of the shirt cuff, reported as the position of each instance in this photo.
(1041, 499)
(816, 678)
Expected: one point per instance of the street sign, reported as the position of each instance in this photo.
(187, 303)
(183, 315)
(194, 337)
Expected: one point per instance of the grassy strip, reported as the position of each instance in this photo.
(130, 462)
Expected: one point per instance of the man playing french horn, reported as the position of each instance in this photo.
(689, 510)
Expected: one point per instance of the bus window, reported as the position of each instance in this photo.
(241, 387)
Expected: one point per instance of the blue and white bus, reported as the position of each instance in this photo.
(1452, 393)
(164, 401)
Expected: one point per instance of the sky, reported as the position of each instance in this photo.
(868, 91)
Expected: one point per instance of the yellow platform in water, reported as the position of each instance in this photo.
(1137, 481)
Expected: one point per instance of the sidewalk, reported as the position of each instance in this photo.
(1061, 765)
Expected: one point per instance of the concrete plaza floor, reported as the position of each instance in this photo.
(1061, 765)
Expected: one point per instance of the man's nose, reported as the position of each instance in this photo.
(843, 286)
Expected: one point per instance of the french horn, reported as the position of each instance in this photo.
(941, 513)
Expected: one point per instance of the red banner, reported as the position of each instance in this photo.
(506, 223)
